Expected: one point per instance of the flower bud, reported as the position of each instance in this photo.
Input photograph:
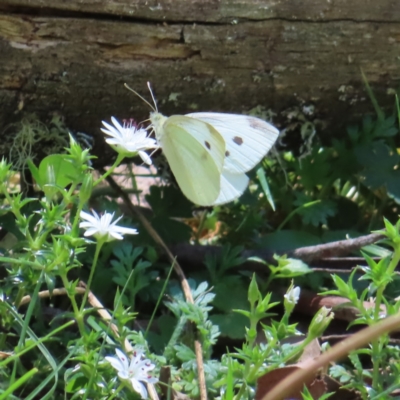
(291, 298)
(320, 322)
(86, 188)
(254, 293)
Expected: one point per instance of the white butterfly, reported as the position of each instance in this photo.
(209, 153)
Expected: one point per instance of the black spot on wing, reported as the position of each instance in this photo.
(208, 145)
(238, 140)
(227, 153)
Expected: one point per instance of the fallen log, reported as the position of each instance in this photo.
(73, 57)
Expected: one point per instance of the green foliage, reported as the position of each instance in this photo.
(130, 272)
(168, 205)
(378, 275)
(58, 341)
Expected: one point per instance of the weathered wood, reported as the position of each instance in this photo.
(223, 10)
(72, 57)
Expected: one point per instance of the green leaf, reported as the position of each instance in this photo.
(291, 267)
(64, 171)
(232, 324)
(35, 172)
(314, 169)
(380, 164)
(341, 285)
(316, 213)
(76, 382)
(377, 251)
(285, 240)
(372, 97)
(264, 184)
(168, 204)
(343, 164)
(165, 327)
(171, 230)
(224, 301)
(184, 353)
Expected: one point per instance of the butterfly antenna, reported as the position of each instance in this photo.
(141, 97)
(152, 96)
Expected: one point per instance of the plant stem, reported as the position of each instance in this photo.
(295, 211)
(77, 312)
(376, 344)
(99, 245)
(110, 170)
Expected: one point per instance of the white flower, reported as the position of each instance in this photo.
(129, 140)
(136, 371)
(293, 295)
(102, 227)
(320, 322)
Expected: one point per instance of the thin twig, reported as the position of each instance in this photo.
(337, 248)
(333, 270)
(296, 380)
(195, 254)
(94, 302)
(101, 311)
(46, 293)
(178, 270)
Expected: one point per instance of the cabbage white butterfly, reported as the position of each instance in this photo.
(209, 153)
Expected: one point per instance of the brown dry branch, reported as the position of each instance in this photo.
(46, 293)
(178, 270)
(95, 303)
(194, 254)
(296, 380)
(334, 249)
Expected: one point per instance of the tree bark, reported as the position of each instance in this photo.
(73, 57)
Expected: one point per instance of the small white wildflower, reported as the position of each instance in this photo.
(129, 140)
(320, 322)
(136, 370)
(103, 228)
(293, 295)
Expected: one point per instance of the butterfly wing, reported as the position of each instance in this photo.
(247, 139)
(232, 186)
(195, 152)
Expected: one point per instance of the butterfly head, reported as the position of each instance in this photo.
(157, 123)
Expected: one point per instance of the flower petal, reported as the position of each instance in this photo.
(114, 235)
(145, 157)
(90, 232)
(123, 230)
(90, 218)
(115, 362)
(139, 387)
(128, 140)
(103, 227)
